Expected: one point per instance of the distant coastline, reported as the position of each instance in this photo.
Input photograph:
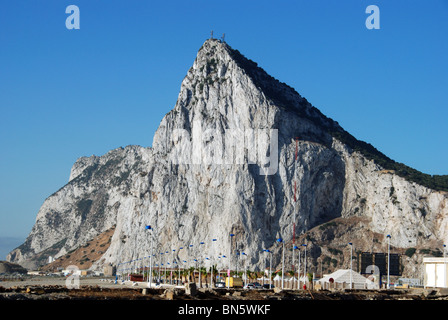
(7, 244)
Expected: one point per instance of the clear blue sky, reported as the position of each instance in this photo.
(71, 93)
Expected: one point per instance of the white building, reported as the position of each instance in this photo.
(435, 272)
(342, 279)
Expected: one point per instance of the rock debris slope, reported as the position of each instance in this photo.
(227, 159)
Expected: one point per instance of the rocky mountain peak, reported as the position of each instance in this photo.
(217, 64)
(240, 153)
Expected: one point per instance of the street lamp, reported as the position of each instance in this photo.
(388, 262)
(223, 264)
(245, 268)
(178, 271)
(270, 267)
(351, 264)
(306, 277)
(153, 256)
(444, 263)
(230, 255)
(179, 280)
(280, 240)
(194, 272)
(160, 266)
(185, 264)
(199, 269)
(189, 274)
(172, 261)
(166, 266)
(207, 258)
(237, 255)
(148, 227)
(298, 270)
(211, 268)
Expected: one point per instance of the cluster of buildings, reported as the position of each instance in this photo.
(435, 275)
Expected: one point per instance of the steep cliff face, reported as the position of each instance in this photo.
(85, 207)
(239, 153)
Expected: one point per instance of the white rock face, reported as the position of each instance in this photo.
(406, 210)
(204, 178)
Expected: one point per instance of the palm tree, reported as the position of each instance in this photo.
(154, 275)
(185, 273)
(310, 279)
(190, 271)
(257, 274)
(249, 275)
(203, 272)
(200, 276)
(214, 272)
(176, 276)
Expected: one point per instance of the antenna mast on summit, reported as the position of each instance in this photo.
(211, 34)
(222, 38)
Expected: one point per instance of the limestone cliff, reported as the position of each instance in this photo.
(239, 153)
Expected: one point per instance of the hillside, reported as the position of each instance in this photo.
(84, 256)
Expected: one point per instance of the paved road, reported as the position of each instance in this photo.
(83, 281)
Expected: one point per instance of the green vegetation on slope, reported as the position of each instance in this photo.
(275, 89)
